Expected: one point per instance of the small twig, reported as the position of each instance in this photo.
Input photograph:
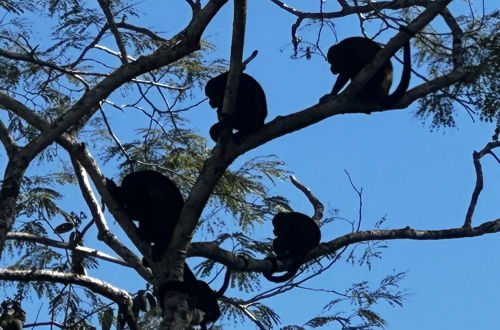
(360, 193)
(113, 136)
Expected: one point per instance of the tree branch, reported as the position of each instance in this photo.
(181, 44)
(79, 152)
(214, 252)
(317, 205)
(235, 64)
(476, 156)
(120, 297)
(104, 4)
(100, 221)
(26, 237)
(8, 141)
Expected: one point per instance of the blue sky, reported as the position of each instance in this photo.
(415, 177)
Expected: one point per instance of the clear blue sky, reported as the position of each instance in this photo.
(416, 177)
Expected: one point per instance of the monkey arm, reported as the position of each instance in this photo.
(217, 128)
(225, 284)
(342, 79)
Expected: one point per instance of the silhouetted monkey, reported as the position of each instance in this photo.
(351, 55)
(154, 201)
(296, 235)
(202, 297)
(250, 109)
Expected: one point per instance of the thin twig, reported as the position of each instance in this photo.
(113, 136)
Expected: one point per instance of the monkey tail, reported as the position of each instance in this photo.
(225, 284)
(396, 96)
(291, 272)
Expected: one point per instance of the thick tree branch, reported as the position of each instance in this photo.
(9, 192)
(214, 252)
(235, 64)
(120, 297)
(7, 140)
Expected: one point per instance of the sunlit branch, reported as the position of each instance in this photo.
(120, 297)
(26, 237)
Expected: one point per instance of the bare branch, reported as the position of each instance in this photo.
(26, 237)
(317, 205)
(104, 4)
(142, 30)
(347, 10)
(359, 192)
(235, 65)
(476, 156)
(115, 138)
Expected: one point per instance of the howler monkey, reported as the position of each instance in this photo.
(250, 108)
(202, 297)
(296, 235)
(154, 201)
(351, 55)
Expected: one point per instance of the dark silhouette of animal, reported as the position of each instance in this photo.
(202, 297)
(296, 235)
(250, 108)
(154, 201)
(351, 55)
